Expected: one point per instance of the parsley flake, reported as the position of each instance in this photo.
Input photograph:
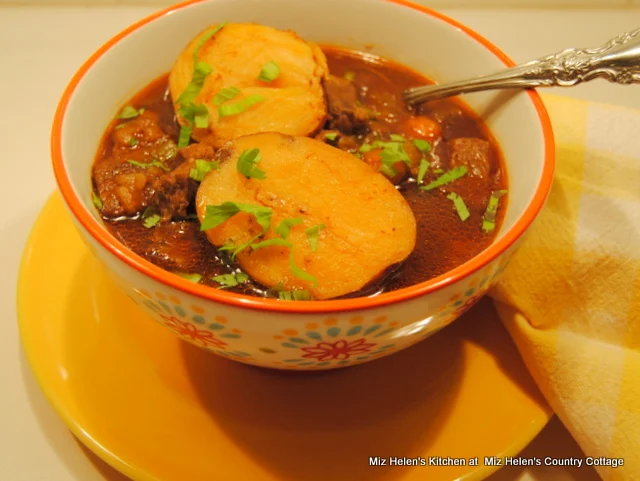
(225, 95)
(248, 164)
(295, 295)
(489, 217)
(230, 280)
(269, 72)
(97, 201)
(312, 235)
(217, 214)
(195, 278)
(422, 170)
(207, 36)
(331, 136)
(460, 206)
(285, 226)
(150, 217)
(202, 168)
(422, 145)
(129, 112)
(240, 106)
(146, 165)
(446, 178)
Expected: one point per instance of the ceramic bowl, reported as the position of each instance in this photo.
(318, 334)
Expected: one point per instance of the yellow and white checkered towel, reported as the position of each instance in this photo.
(571, 296)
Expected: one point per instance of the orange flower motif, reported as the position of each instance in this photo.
(189, 331)
(340, 350)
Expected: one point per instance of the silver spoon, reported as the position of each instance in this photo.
(617, 61)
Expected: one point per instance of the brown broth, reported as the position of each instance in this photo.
(443, 240)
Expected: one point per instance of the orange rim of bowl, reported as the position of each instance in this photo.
(99, 232)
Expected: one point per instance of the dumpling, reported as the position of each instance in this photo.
(350, 223)
(252, 78)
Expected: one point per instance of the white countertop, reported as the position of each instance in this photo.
(40, 49)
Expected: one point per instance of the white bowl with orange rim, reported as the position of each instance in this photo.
(318, 334)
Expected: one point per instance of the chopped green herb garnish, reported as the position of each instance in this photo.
(119, 126)
(364, 148)
(461, 207)
(447, 177)
(422, 170)
(438, 171)
(489, 218)
(331, 136)
(285, 226)
(230, 280)
(129, 112)
(275, 241)
(133, 141)
(241, 277)
(295, 295)
(248, 164)
(240, 106)
(312, 236)
(152, 220)
(185, 136)
(295, 270)
(195, 278)
(237, 249)
(422, 145)
(192, 90)
(202, 119)
(150, 217)
(195, 113)
(97, 201)
(397, 138)
(205, 37)
(305, 276)
(225, 94)
(217, 214)
(146, 165)
(350, 75)
(201, 169)
(269, 72)
(392, 152)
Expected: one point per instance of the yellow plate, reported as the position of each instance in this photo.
(156, 408)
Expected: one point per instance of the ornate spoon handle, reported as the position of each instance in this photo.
(617, 61)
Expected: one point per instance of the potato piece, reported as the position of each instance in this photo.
(369, 225)
(294, 103)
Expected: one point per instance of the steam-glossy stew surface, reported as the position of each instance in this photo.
(145, 188)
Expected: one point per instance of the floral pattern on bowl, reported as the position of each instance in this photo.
(310, 342)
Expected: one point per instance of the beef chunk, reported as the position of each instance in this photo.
(176, 191)
(475, 154)
(125, 189)
(142, 153)
(345, 114)
(145, 129)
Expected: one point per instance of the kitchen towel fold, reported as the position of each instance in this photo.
(570, 297)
